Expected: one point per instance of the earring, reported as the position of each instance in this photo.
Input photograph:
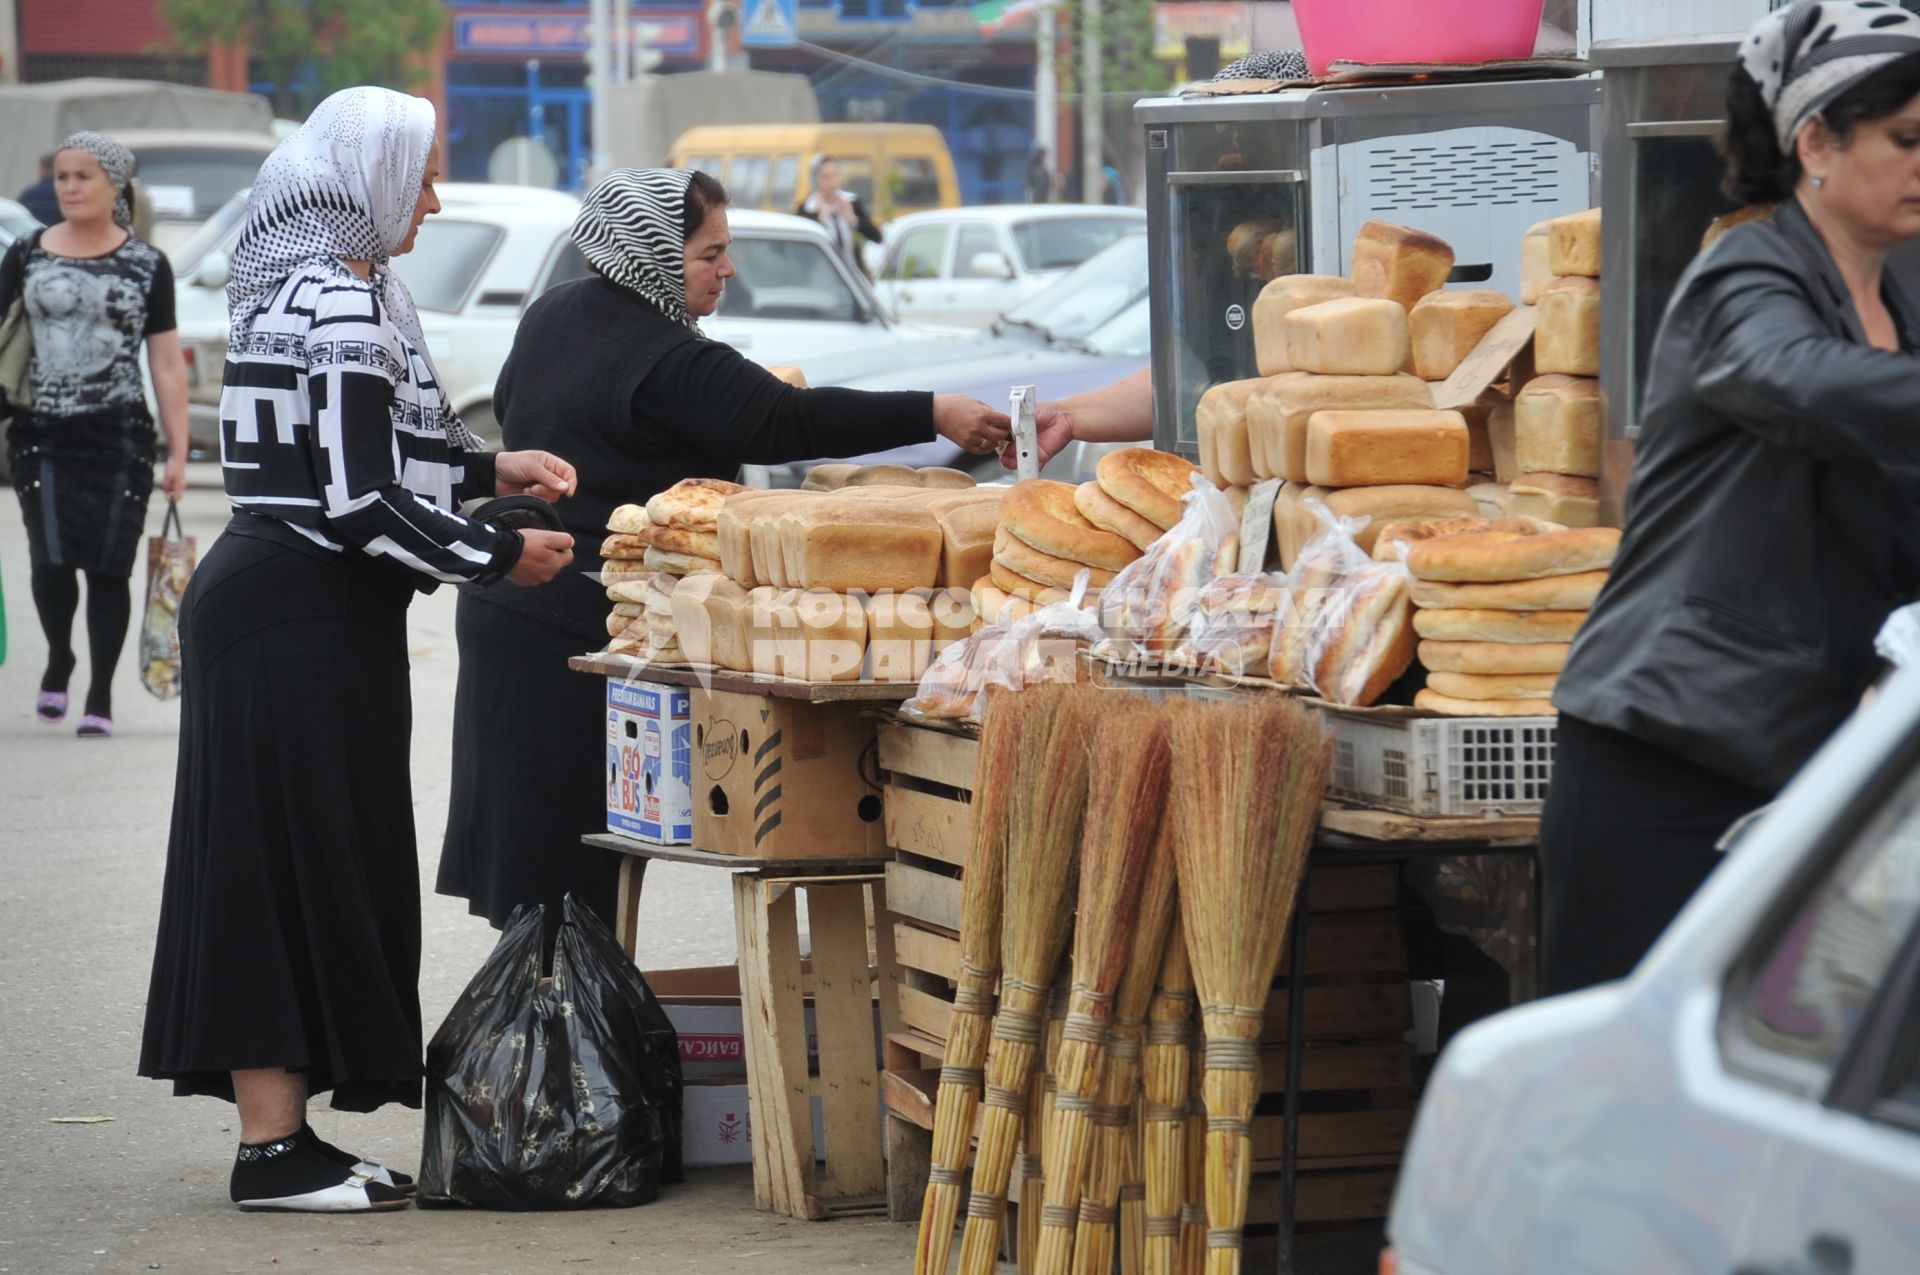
(1819, 182)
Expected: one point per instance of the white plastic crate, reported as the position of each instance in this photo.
(1443, 765)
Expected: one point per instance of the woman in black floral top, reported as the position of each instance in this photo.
(82, 454)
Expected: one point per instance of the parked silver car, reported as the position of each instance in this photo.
(1747, 1102)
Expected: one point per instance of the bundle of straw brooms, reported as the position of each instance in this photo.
(1128, 795)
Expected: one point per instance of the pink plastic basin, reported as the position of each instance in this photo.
(1416, 30)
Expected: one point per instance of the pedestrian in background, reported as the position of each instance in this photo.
(288, 956)
(838, 211)
(1770, 522)
(1039, 176)
(41, 199)
(82, 455)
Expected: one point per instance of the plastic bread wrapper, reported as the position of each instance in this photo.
(1362, 639)
(1231, 632)
(1011, 654)
(1316, 586)
(1147, 610)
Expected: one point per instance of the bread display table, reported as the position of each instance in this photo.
(1340, 1096)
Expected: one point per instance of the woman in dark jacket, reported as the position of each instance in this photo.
(1771, 518)
(615, 368)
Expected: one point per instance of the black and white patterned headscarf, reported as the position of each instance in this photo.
(344, 186)
(629, 228)
(116, 161)
(1805, 56)
(1281, 64)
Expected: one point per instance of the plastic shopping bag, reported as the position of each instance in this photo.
(552, 1093)
(1147, 608)
(170, 559)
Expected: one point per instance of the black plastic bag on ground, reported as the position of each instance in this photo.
(557, 1093)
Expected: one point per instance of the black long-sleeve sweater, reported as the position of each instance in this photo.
(601, 378)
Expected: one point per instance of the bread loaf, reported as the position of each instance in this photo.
(1385, 447)
(843, 543)
(773, 634)
(1482, 625)
(767, 559)
(1279, 299)
(1491, 559)
(834, 627)
(1448, 706)
(1349, 336)
(1008, 580)
(1491, 497)
(966, 538)
(1043, 567)
(1445, 326)
(1153, 484)
(828, 477)
(1374, 645)
(1380, 506)
(1550, 593)
(1493, 686)
(1108, 514)
(1500, 659)
(1566, 337)
(1412, 531)
(732, 529)
(1557, 426)
(629, 520)
(1220, 420)
(1535, 271)
(1399, 263)
(728, 608)
(1561, 498)
(1246, 241)
(692, 504)
(883, 476)
(941, 477)
(679, 564)
(899, 637)
(1042, 514)
(1573, 244)
(953, 616)
(791, 375)
(692, 621)
(1287, 523)
(1278, 416)
(993, 604)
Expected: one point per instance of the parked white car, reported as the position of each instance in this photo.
(1747, 1102)
(964, 267)
(493, 249)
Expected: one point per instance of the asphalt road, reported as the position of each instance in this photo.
(83, 832)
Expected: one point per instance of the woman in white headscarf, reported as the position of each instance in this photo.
(839, 211)
(614, 371)
(288, 956)
(82, 450)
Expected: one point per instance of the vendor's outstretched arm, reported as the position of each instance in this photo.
(1118, 413)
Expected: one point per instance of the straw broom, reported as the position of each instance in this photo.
(1163, 1133)
(1126, 794)
(1046, 808)
(1193, 1207)
(980, 907)
(1118, 1155)
(1038, 1133)
(1247, 784)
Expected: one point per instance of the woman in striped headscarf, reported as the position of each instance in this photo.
(612, 371)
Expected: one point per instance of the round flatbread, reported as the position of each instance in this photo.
(1479, 625)
(1043, 515)
(1501, 686)
(1152, 484)
(629, 520)
(1448, 706)
(1553, 593)
(1047, 569)
(1494, 658)
(692, 504)
(1108, 514)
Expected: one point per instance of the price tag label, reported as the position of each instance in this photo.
(1256, 526)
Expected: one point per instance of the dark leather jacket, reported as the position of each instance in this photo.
(1773, 520)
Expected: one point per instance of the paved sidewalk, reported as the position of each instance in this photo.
(82, 846)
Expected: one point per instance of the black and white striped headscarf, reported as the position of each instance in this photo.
(345, 185)
(1805, 56)
(629, 228)
(116, 161)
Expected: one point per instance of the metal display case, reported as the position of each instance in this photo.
(1298, 172)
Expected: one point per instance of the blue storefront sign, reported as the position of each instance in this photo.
(527, 34)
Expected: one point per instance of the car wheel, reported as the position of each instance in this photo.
(481, 421)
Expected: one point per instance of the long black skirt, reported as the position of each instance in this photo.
(83, 483)
(290, 916)
(529, 746)
(1627, 837)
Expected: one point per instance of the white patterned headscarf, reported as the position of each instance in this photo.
(344, 185)
(1805, 56)
(116, 161)
(629, 227)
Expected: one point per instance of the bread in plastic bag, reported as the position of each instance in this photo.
(1148, 608)
(1364, 639)
(1319, 573)
(1233, 626)
(1041, 646)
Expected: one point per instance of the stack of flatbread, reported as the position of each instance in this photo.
(1497, 605)
(649, 548)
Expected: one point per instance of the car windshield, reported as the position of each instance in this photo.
(787, 279)
(1060, 243)
(188, 183)
(186, 258)
(446, 262)
(1127, 334)
(1072, 306)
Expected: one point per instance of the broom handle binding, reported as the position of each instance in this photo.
(1161, 1113)
(1232, 1053)
(1223, 1237)
(971, 1077)
(1163, 1228)
(985, 1207)
(945, 1176)
(1007, 1099)
(1058, 1216)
